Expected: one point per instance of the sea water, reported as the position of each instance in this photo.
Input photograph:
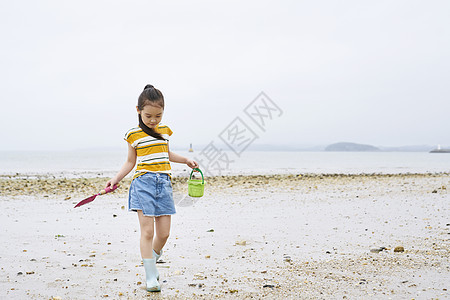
(105, 163)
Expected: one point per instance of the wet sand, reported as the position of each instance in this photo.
(280, 236)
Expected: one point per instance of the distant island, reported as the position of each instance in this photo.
(351, 147)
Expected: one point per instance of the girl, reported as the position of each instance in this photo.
(151, 189)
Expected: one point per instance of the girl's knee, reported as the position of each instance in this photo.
(147, 234)
(164, 235)
(163, 227)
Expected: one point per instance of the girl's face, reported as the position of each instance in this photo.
(151, 115)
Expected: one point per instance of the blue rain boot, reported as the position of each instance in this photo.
(151, 273)
(157, 256)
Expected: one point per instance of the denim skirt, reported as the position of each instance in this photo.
(152, 193)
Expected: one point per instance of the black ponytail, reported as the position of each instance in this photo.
(152, 96)
(149, 131)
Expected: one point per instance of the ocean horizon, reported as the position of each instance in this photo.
(105, 163)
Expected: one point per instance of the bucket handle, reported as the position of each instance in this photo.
(203, 179)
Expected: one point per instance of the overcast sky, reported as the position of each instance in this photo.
(375, 72)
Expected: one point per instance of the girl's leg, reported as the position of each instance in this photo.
(147, 227)
(162, 226)
(151, 272)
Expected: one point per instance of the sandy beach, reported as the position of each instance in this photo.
(278, 236)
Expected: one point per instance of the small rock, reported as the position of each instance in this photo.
(268, 286)
(211, 230)
(377, 250)
(241, 243)
(399, 249)
(199, 276)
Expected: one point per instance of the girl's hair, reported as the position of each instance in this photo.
(150, 96)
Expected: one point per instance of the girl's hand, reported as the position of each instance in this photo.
(112, 182)
(191, 163)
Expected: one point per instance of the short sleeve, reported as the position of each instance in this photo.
(170, 132)
(132, 135)
(165, 131)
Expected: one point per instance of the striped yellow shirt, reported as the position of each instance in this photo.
(152, 154)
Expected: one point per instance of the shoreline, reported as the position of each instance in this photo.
(185, 174)
(50, 186)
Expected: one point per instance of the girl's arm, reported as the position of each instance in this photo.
(173, 157)
(126, 168)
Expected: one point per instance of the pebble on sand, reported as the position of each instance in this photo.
(199, 276)
(377, 250)
(399, 249)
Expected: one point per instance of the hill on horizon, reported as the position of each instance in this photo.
(351, 147)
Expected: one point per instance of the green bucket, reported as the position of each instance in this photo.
(196, 187)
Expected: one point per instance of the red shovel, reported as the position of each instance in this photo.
(91, 198)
